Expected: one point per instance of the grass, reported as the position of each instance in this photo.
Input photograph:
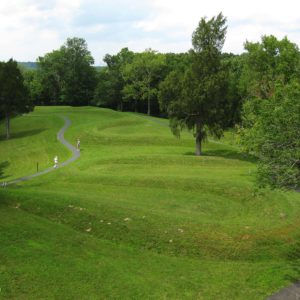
(138, 216)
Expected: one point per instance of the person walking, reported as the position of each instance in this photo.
(55, 162)
(78, 145)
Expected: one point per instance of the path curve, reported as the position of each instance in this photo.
(61, 138)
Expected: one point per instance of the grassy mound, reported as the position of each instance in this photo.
(138, 216)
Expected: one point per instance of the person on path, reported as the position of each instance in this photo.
(78, 144)
(55, 162)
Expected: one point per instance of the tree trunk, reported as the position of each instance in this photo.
(149, 107)
(135, 106)
(7, 126)
(198, 138)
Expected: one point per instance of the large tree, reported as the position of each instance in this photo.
(80, 75)
(111, 80)
(270, 125)
(274, 135)
(142, 77)
(267, 63)
(51, 74)
(200, 105)
(67, 75)
(14, 97)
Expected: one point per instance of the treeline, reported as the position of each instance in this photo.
(130, 81)
(203, 90)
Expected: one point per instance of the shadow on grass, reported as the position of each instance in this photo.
(3, 165)
(22, 134)
(229, 154)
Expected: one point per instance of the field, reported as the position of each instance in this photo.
(138, 216)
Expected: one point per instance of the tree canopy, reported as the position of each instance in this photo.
(67, 75)
(14, 98)
(199, 91)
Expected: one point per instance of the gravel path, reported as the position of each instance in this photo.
(61, 138)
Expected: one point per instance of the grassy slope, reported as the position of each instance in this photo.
(138, 216)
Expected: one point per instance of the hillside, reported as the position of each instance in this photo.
(138, 216)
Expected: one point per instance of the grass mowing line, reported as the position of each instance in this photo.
(60, 137)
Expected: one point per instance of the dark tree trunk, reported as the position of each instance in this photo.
(149, 107)
(135, 106)
(198, 138)
(7, 126)
(120, 106)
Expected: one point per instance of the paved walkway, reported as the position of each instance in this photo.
(61, 138)
(291, 292)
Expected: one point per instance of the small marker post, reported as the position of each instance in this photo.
(37, 167)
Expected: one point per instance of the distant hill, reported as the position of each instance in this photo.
(98, 68)
(33, 65)
(28, 65)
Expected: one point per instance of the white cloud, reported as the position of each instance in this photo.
(30, 28)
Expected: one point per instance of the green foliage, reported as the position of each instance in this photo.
(14, 97)
(67, 75)
(111, 82)
(33, 85)
(80, 75)
(271, 114)
(105, 92)
(234, 65)
(274, 136)
(51, 74)
(201, 90)
(269, 62)
(142, 77)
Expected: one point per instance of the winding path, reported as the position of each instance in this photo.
(61, 138)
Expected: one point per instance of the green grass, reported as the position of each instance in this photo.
(138, 216)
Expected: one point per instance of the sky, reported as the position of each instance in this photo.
(32, 28)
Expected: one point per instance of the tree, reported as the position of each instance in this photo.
(51, 75)
(270, 123)
(33, 85)
(105, 90)
(234, 66)
(114, 78)
(80, 75)
(13, 93)
(267, 63)
(142, 77)
(274, 135)
(200, 105)
(67, 75)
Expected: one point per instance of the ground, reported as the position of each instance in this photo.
(138, 216)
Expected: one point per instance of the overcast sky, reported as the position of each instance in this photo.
(31, 28)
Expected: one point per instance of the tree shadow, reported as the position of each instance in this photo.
(3, 165)
(22, 134)
(228, 154)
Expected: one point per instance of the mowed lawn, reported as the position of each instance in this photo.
(138, 216)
